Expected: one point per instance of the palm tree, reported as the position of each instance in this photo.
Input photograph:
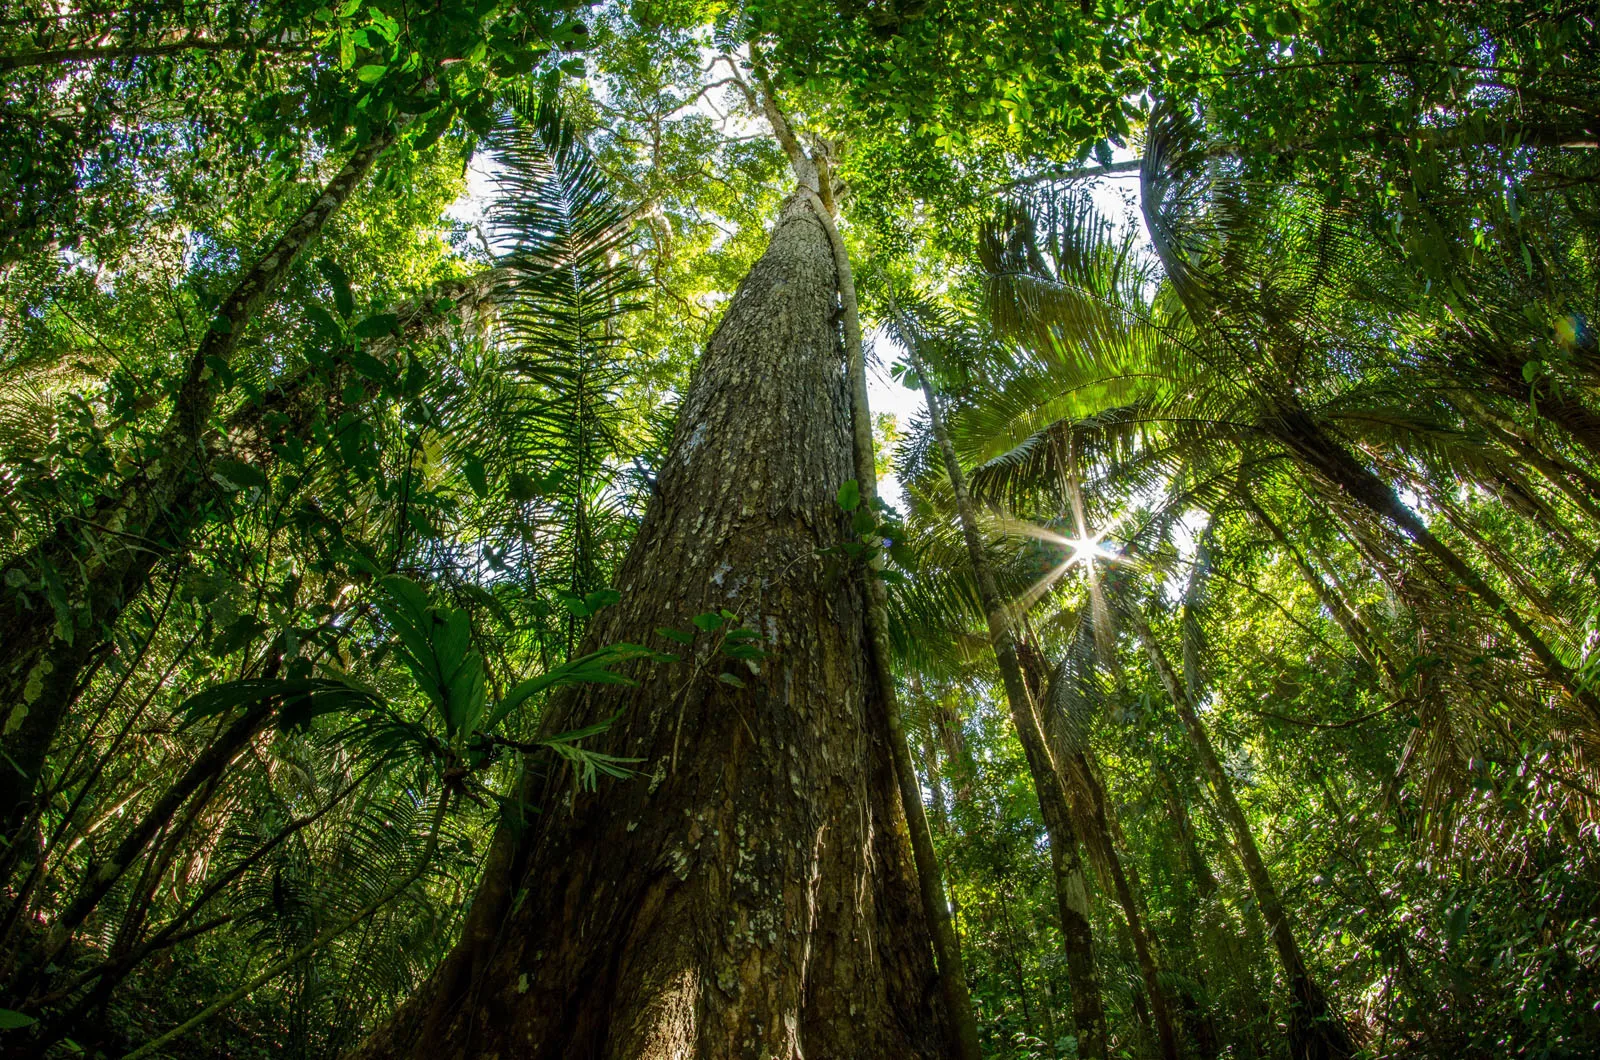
(1235, 363)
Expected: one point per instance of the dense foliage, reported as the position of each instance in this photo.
(1243, 572)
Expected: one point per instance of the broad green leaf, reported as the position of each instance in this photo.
(239, 475)
(239, 633)
(849, 496)
(323, 321)
(302, 698)
(343, 299)
(601, 599)
(586, 669)
(377, 325)
(472, 467)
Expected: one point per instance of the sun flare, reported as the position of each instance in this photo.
(1082, 551)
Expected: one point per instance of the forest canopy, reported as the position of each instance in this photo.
(882, 528)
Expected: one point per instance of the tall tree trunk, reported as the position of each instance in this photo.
(1081, 783)
(59, 598)
(1072, 893)
(1315, 1031)
(750, 895)
(936, 785)
(946, 943)
(1125, 882)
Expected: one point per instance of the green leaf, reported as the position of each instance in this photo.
(343, 299)
(586, 669)
(378, 324)
(601, 599)
(416, 378)
(411, 615)
(370, 72)
(323, 321)
(730, 679)
(681, 636)
(11, 1021)
(237, 475)
(303, 698)
(369, 366)
(489, 601)
(850, 495)
(708, 621)
(472, 467)
(522, 486)
(242, 631)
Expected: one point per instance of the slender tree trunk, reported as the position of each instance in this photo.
(936, 785)
(1081, 783)
(1514, 575)
(1205, 881)
(1017, 974)
(204, 770)
(1315, 1031)
(751, 893)
(1196, 1011)
(1125, 882)
(1072, 894)
(59, 598)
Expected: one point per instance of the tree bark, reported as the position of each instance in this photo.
(751, 894)
(1205, 881)
(1315, 1031)
(946, 943)
(1072, 893)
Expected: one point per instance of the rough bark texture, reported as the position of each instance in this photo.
(751, 893)
(1315, 1031)
(935, 906)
